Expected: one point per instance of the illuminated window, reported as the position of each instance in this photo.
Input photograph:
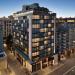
(36, 26)
(35, 53)
(25, 37)
(49, 25)
(35, 44)
(46, 37)
(41, 47)
(52, 21)
(17, 41)
(14, 35)
(46, 17)
(24, 21)
(52, 44)
(41, 30)
(41, 21)
(15, 24)
(22, 43)
(49, 33)
(49, 49)
(36, 40)
(45, 42)
(22, 25)
(52, 37)
(13, 27)
(17, 28)
(52, 29)
(17, 34)
(35, 17)
(45, 29)
(70, 20)
(21, 36)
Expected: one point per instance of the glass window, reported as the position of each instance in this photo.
(15, 24)
(36, 26)
(49, 25)
(17, 41)
(36, 21)
(17, 34)
(23, 20)
(17, 28)
(52, 29)
(49, 33)
(46, 17)
(21, 36)
(35, 17)
(52, 37)
(49, 49)
(42, 30)
(35, 44)
(46, 42)
(46, 37)
(41, 21)
(52, 44)
(18, 21)
(22, 43)
(52, 21)
(22, 25)
(41, 47)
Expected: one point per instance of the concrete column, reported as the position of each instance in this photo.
(55, 61)
(24, 63)
(41, 64)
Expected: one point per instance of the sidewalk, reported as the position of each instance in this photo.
(48, 70)
(15, 67)
(51, 69)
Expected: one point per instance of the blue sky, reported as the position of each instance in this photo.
(63, 8)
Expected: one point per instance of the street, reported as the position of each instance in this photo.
(67, 69)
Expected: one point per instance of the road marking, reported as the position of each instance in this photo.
(69, 70)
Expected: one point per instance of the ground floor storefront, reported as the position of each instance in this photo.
(40, 64)
(32, 67)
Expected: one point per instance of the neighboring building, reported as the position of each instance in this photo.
(33, 33)
(65, 34)
(7, 27)
(3, 57)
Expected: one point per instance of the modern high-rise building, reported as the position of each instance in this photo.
(33, 36)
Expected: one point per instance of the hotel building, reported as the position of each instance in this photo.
(33, 36)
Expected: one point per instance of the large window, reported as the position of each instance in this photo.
(49, 25)
(41, 21)
(35, 17)
(46, 17)
(36, 26)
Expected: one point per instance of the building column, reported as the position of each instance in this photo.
(55, 61)
(41, 64)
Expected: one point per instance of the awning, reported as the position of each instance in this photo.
(23, 55)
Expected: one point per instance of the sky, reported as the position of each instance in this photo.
(63, 8)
